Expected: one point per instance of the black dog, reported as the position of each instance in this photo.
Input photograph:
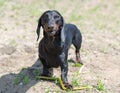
(54, 46)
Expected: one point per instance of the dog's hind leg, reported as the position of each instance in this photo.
(77, 40)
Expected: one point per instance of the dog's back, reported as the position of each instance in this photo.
(72, 35)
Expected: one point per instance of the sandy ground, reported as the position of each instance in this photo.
(100, 52)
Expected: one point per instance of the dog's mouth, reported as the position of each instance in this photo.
(52, 33)
(51, 30)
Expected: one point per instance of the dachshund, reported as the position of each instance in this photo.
(57, 39)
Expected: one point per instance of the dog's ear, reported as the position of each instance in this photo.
(63, 34)
(62, 29)
(38, 28)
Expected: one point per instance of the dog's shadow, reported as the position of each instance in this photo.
(21, 82)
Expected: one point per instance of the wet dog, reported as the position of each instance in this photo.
(54, 46)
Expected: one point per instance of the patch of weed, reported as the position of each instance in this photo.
(76, 80)
(24, 36)
(36, 72)
(116, 45)
(100, 86)
(75, 17)
(47, 90)
(94, 9)
(85, 51)
(17, 23)
(21, 79)
(25, 80)
(57, 91)
(16, 7)
(13, 43)
(56, 81)
(5, 29)
(24, 69)
(104, 49)
(78, 64)
(11, 16)
(51, 5)
(71, 60)
(2, 2)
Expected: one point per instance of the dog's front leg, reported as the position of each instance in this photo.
(64, 71)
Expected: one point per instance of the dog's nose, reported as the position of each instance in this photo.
(50, 27)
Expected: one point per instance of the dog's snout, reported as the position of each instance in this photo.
(50, 27)
(51, 24)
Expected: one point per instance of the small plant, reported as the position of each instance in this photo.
(75, 80)
(71, 61)
(24, 68)
(13, 43)
(36, 72)
(104, 49)
(24, 36)
(5, 29)
(100, 86)
(78, 64)
(23, 79)
(85, 51)
(56, 81)
(17, 80)
(56, 91)
(2, 3)
(11, 16)
(94, 9)
(74, 17)
(47, 90)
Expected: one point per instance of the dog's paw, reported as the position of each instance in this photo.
(47, 75)
(79, 62)
(68, 86)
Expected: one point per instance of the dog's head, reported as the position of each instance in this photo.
(51, 22)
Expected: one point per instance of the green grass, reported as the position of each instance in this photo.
(84, 51)
(34, 11)
(104, 49)
(13, 43)
(95, 8)
(36, 72)
(76, 80)
(78, 64)
(48, 90)
(100, 86)
(16, 7)
(75, 17)
(2, 2)
(23, 79)
(5, 29)
(116, 45)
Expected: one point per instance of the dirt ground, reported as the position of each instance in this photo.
(99, 23)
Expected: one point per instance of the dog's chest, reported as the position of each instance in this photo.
(53, 47)
(53, 61)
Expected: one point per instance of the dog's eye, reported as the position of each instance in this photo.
(56, 16)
